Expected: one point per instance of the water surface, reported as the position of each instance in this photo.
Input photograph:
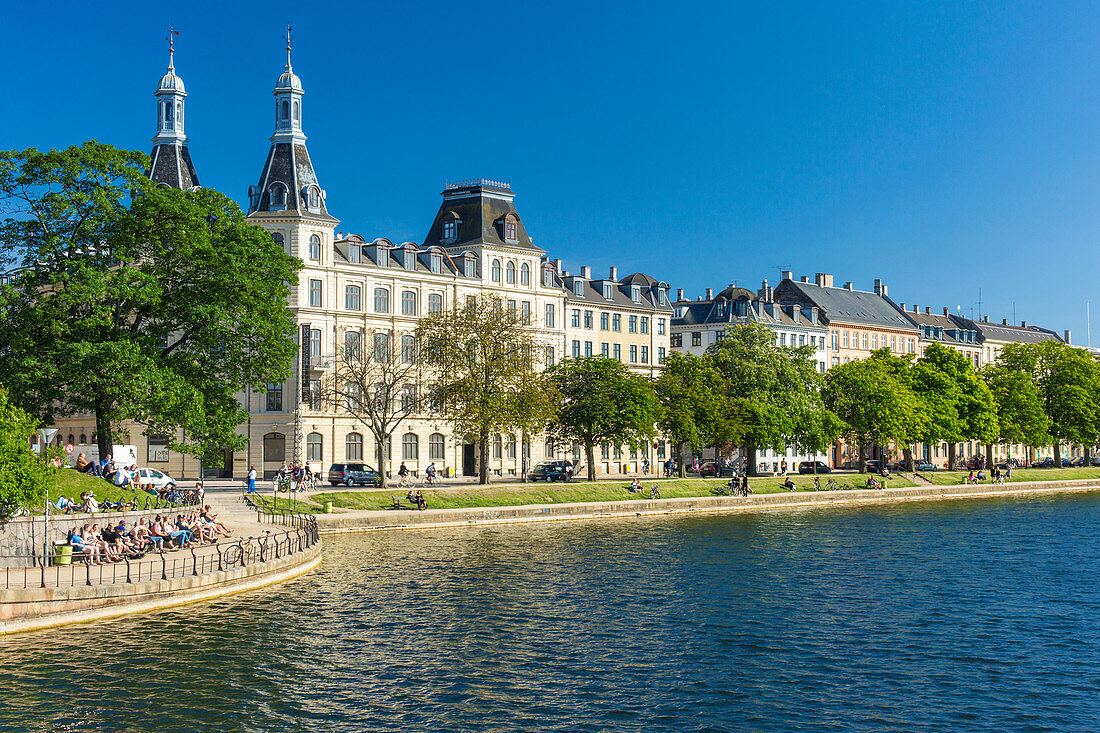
(963, 615)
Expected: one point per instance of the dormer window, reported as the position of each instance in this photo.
(662, 296)
(636, 293)
(578, 288)
(354, 253)
(450, 227)
(277, 195)
(410, 260)
(312, 195)
(548, 278)
(510, 229)
(437, 262)
(383, 254)
(471, 267)
(608, 291)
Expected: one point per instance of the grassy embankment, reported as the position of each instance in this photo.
(949, 478)
(462, 497)
(294, 505)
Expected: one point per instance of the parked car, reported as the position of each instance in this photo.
(353, 474)
(813, 467)
(548, 471)
(925, 466)
(1078, 462)
(1066, 463)
(897, 466)
(712, 468)
(872, 465)
(1043, 463)
(157, 479)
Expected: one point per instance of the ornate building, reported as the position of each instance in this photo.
(171, 161)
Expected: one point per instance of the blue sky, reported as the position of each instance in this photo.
(944, 149)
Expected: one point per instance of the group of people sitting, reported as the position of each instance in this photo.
(995, 473)
(88, 504)
(417, 498)
(116, 542)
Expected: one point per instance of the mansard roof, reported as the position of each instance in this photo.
(481, 208)
(171, 165)
(745, 307)
(383, 253)
(288, 165)
(846, 306)
(592, 292)
(1018, 334)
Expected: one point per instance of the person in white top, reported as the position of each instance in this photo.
(252, 479)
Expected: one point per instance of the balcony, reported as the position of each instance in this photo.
(320, 363)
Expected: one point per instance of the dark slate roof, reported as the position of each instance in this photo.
(382, 252)
(481, 208)
(171, 165)
(287, 163)
(1019, 334)
(725, 310)
(592, 292)
(843, 305)
(954, 327)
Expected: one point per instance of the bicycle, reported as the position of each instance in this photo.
(832, 485)
(653, 492)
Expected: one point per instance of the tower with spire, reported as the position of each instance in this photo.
(171, 162)
(288, 201)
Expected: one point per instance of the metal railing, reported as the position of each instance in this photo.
(160, 564)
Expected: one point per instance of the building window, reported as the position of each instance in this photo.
(549, 315)
(408, 349)
(525, 312)
(912, 347)
(436, 262)
(352, 345)
(549, 356)
(496, 271)
(525, 275)
(645, 324)
(588, 319)
(277, 238)
(510, 447)
(633, 354)
(351, 297)
(314, 447)
(315, 248)
(381, 346)
(498, 446)
(578, 288)
(410, 447)
(408, 303)
(435, 303)
(845, 339)
(315, 342)
(511, 305)
(510, 273)
(894, 344)
(156, 450)
(645, 354)
(616, 322)
(549, 448)
(660, 354)
(604, 321)
(275, 397)
(865, 340)
(471, 267)
(548, 278)
(381, 300)
(575, 318)
(697, 338)
(315, 299)
(277, 195)
(450, 230)
(355, 253)
(636, 293)
(588, 348)
(510, 230)
(660, 326)
(617, 352)
(313, 198)
(605, 348)
(801, 339)
(274, 448)
(608, 291)
(353, 449)
(576, 349)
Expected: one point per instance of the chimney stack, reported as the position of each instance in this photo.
(902, 306)
(880, 289)
(786, 275)
(916, 308)
(927, 310)
(1023, 324)
(1004, 321)
(946, 311)
(586, 272)
(847, 286)
(557, 265)
(1067, 336)
(824, 279)
(805, 279)
(613, 274)
(710, 294)
(679, 292)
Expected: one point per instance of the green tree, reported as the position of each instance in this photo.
(873, 399)
(1068, 381)
(24, 477)
(137, 302)
(958, 402)
(602, 402)
(692, 397)
(774, 392)
(1020, 415)
(481, 372)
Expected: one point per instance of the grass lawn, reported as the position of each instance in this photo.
(557, 493)
(945, 478)
(295, 505)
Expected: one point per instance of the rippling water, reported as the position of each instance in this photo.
(953, 616)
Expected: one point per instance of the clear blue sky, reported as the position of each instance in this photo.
(940, 149)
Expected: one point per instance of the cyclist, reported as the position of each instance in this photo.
(429, 473)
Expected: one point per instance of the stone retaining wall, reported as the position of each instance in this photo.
(408, 519)
(23, 610)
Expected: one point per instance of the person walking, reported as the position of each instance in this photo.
(252, 479)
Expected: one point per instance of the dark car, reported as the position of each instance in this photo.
(1043, 463)
(711, 468)
(813, 467)
(872, 465)
(1078, 462)
(353, 474)
(549, 471)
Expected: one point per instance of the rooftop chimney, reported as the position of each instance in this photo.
(985, 319)
(916, 308)
(927, 310)
(824, 279)
(805, 278)
(557, 265)
(786, 274)
(710, 294)
(679, 292)
(614, 274)
(880, 289)
(847, 286)
(1004, 321)
(902, 306)
(1023, 324)
(1067, 336)
(586, 272)
(946, 311)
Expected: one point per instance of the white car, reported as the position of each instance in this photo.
(158, 479)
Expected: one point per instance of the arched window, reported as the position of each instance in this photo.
(510, 229)
(525, 275)
(498, 446)
(314, 446)
(83, 438)
(408, 302)
(354, 448)
(277, 238)
(168, 116)
(381, 300)
(284, 110)
(435, 447)
(315, 247)
(179, 113)
(274, 448)
(297, 111)
(313, 197)
(352, 345)
(351, 297)
(510, 273)
(72, 438)
(410, 447)
(278, 194)
(435, 303)
(510, 447)
(496, 271)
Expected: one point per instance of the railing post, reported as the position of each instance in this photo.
(217, 548)
(88, 567)
(194, 562)
(163, 567)
(127, 570)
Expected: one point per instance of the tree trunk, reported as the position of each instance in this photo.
(950, 456)
(590, 456)
(103, 430)
(1057, 453)
(483, 452)
(1088, 456)
(908, 453)
(750, 456)
(862, 457)
(680, 460)
(989, 457)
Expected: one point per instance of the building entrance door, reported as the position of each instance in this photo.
(227, 464)
(469, 463)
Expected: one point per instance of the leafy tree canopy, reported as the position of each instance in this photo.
(692, 397)
(24, 477)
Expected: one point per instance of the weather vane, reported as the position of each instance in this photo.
(288, 38)
(170, 36)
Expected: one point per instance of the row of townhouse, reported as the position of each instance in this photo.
(847, 324)
(354, 293)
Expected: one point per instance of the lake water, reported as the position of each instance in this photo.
(963, 615)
